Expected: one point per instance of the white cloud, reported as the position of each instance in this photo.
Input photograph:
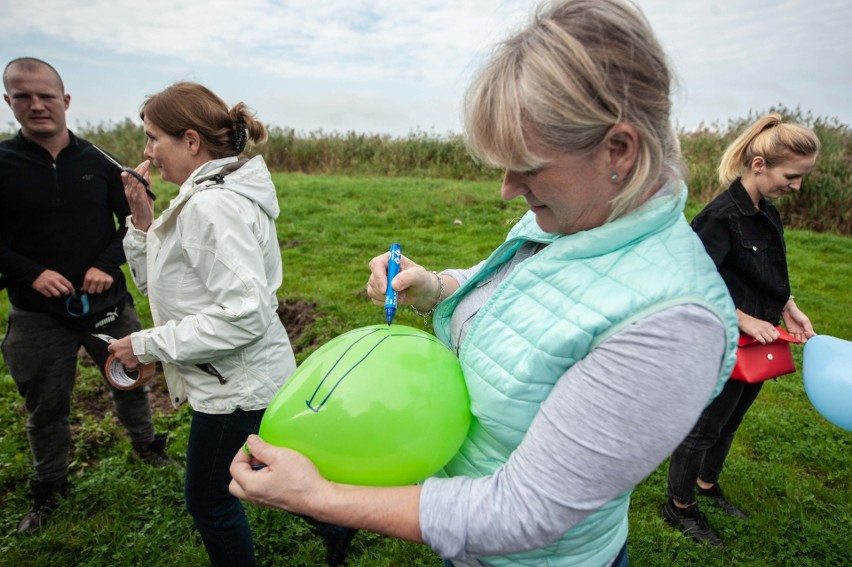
(393, 66)
(356, 40)
(735, 56)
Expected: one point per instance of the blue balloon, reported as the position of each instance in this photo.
(827, 373)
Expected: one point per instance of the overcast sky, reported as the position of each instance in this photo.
(396, 67)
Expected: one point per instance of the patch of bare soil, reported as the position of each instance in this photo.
(297, 317)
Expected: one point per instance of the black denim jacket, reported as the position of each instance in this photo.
(747, 245)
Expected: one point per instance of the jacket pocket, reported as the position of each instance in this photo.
(755, 246)
(208, 368)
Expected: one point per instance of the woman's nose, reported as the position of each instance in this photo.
(512, 185)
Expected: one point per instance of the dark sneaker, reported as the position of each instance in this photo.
(691, 522)
(45, 500)
(153, 452)
(337, 545)
(719, 500)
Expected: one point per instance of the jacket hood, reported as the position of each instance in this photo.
(252, 180)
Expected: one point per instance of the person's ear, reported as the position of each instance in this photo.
(192, 141)
(7, 99)
(758, 164)
(622, 147)
(67, 98)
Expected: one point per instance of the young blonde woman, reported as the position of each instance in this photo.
(741, 230)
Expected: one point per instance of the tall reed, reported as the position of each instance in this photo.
(824, 203)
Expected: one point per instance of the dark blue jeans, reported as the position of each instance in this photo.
(41, 356)
(619, 561)
(702, 454)
(213, 441)
(219, 517)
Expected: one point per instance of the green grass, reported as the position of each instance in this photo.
(789, 468)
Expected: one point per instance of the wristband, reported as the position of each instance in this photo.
(437, 299)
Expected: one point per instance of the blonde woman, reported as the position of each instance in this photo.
(742, 232)
(578, 387)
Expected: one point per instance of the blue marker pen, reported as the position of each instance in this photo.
(393, 269)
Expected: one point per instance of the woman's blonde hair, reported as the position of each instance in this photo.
(770, 138)
(184, 106)
(579, 68)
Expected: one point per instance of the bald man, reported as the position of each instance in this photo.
(60, 261)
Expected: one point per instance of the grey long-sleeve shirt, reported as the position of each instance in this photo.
(591, 440)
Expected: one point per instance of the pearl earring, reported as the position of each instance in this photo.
(614, 177)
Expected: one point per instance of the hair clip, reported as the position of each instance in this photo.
(238, 136)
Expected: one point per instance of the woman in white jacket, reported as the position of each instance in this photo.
(210, 266)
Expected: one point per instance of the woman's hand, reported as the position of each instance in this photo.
(797, 323)
(276, 477)
(288, 481)
(122, 349)
(764, 332)
(414, 285)
(141, 205)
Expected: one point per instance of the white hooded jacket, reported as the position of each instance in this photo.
(210, 266)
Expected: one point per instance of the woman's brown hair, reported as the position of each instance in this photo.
(190, 106)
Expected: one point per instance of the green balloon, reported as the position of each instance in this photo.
(377, 406)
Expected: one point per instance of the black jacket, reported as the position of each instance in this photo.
(747, 245)
(67, 215)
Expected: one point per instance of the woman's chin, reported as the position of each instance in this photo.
(544, 219)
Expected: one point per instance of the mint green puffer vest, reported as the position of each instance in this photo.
(550, 312)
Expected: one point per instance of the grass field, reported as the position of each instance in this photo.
(789, 469)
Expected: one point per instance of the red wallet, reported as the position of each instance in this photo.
(757, 362)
